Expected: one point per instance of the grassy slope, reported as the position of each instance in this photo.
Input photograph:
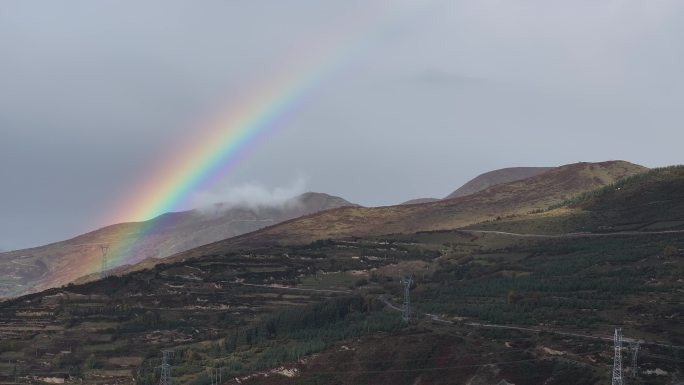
(189, 306)
(515, 198)
(583, 284)
(492, 178)
(196, 307)
(650, 201)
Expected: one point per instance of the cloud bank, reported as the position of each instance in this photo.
(250, 194)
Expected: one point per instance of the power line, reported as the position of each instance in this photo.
(662, 358)
(635, 358)
(215, 375)
(85, 244)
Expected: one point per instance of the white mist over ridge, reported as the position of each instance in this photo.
(248, 195)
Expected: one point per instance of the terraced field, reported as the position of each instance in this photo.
(490, 305)
(302, 314)
(121, 323)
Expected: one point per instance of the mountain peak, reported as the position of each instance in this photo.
(492, 178)
(167, 234)
(518, 197)
(322, 201)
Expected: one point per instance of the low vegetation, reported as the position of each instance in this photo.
(487, 307)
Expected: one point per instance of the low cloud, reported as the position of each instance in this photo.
(252, 195)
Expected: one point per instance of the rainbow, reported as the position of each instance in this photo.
(239, 131)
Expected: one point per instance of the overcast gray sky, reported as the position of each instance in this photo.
(94, 93)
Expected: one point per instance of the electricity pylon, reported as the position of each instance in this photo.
(406, 310)
(103, 268)
(635, 359)
(165, 377)
(617, 358)
(215, 376)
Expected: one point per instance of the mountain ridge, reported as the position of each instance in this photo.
(513, 198)
(419, 201)
(327, 217)
(62, 262)
(495, 177)
(519, 306)
(484, 181)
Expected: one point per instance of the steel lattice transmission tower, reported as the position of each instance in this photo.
(216, 375)
(103, 268)
(617, 359)
(635, 359)
(165, 377)
(406, 310)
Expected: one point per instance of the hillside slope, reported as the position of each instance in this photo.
(486, 180)
(651, 201)
(492, 178)
(514, 198)
(487, 308)
(647, 202)
(62, 262)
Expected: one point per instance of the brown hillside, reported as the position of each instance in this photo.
(60, 263)
(513, 198)
(492, 178)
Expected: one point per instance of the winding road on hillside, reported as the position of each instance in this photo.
(438, 319)
(435, 318)
(571, 235)
(280, 287)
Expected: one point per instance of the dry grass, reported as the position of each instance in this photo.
(495, 203)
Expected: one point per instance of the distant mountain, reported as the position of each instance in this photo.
(497, 202)
(345, 295)
(420, 201)
(492, 178)
(59, 263)
(486, 180)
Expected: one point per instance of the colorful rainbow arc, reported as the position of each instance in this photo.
(244, 127)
